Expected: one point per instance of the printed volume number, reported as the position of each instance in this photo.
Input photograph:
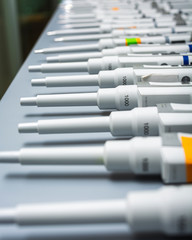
(126, 100)
(124, 80)
(145, 165)
(146, 129)
(110, 66)
(182, 224)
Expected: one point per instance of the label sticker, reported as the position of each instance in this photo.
(130, 41)
(185, 60)
(187, 147)
(115, 9)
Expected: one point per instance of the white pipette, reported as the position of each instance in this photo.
(119, 98)
(63, 19)
(108, 27)
(165, 210)
(96, 22)
(111, 43)
(145, 38)
(117, 33)
(95, 65)
(119, 76)
(123, 51)
(137, 122)
(115, 13)
(140, 156)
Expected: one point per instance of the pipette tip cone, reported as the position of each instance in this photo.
(27, 128)
(9, 157)
(58, 39)
(38, 51)
(38, 82)
(52, 59)
(29, 101)
(34, 68)
(51, 33)
(7, 216)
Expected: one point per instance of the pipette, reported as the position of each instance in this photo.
(137, 122)
(108, 27)
(95, 65)
(117, 33)
(114, 12)
(140, 156)
(122, 8)
(111, 43)
(100, 18)
(147, 38)
(120, 98)
(125, 22)
(165, 210)
(119, 76)
(123, 51)
(100, 15)
(95, 22)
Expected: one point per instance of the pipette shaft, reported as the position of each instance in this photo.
(144, 211)
(91, 37)
(60, 99)
(69, 49)
(55, 156)
(84, 125)
(58, 81)
(119, 76)
(68, 213)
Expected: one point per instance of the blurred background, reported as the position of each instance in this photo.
(21, 23)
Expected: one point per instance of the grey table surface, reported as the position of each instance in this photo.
(32, 184)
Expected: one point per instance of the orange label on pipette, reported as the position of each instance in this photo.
(115, 9)
(187, 147)
(132, 27)
(130, 41)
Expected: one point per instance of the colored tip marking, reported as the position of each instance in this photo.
(130, 41)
